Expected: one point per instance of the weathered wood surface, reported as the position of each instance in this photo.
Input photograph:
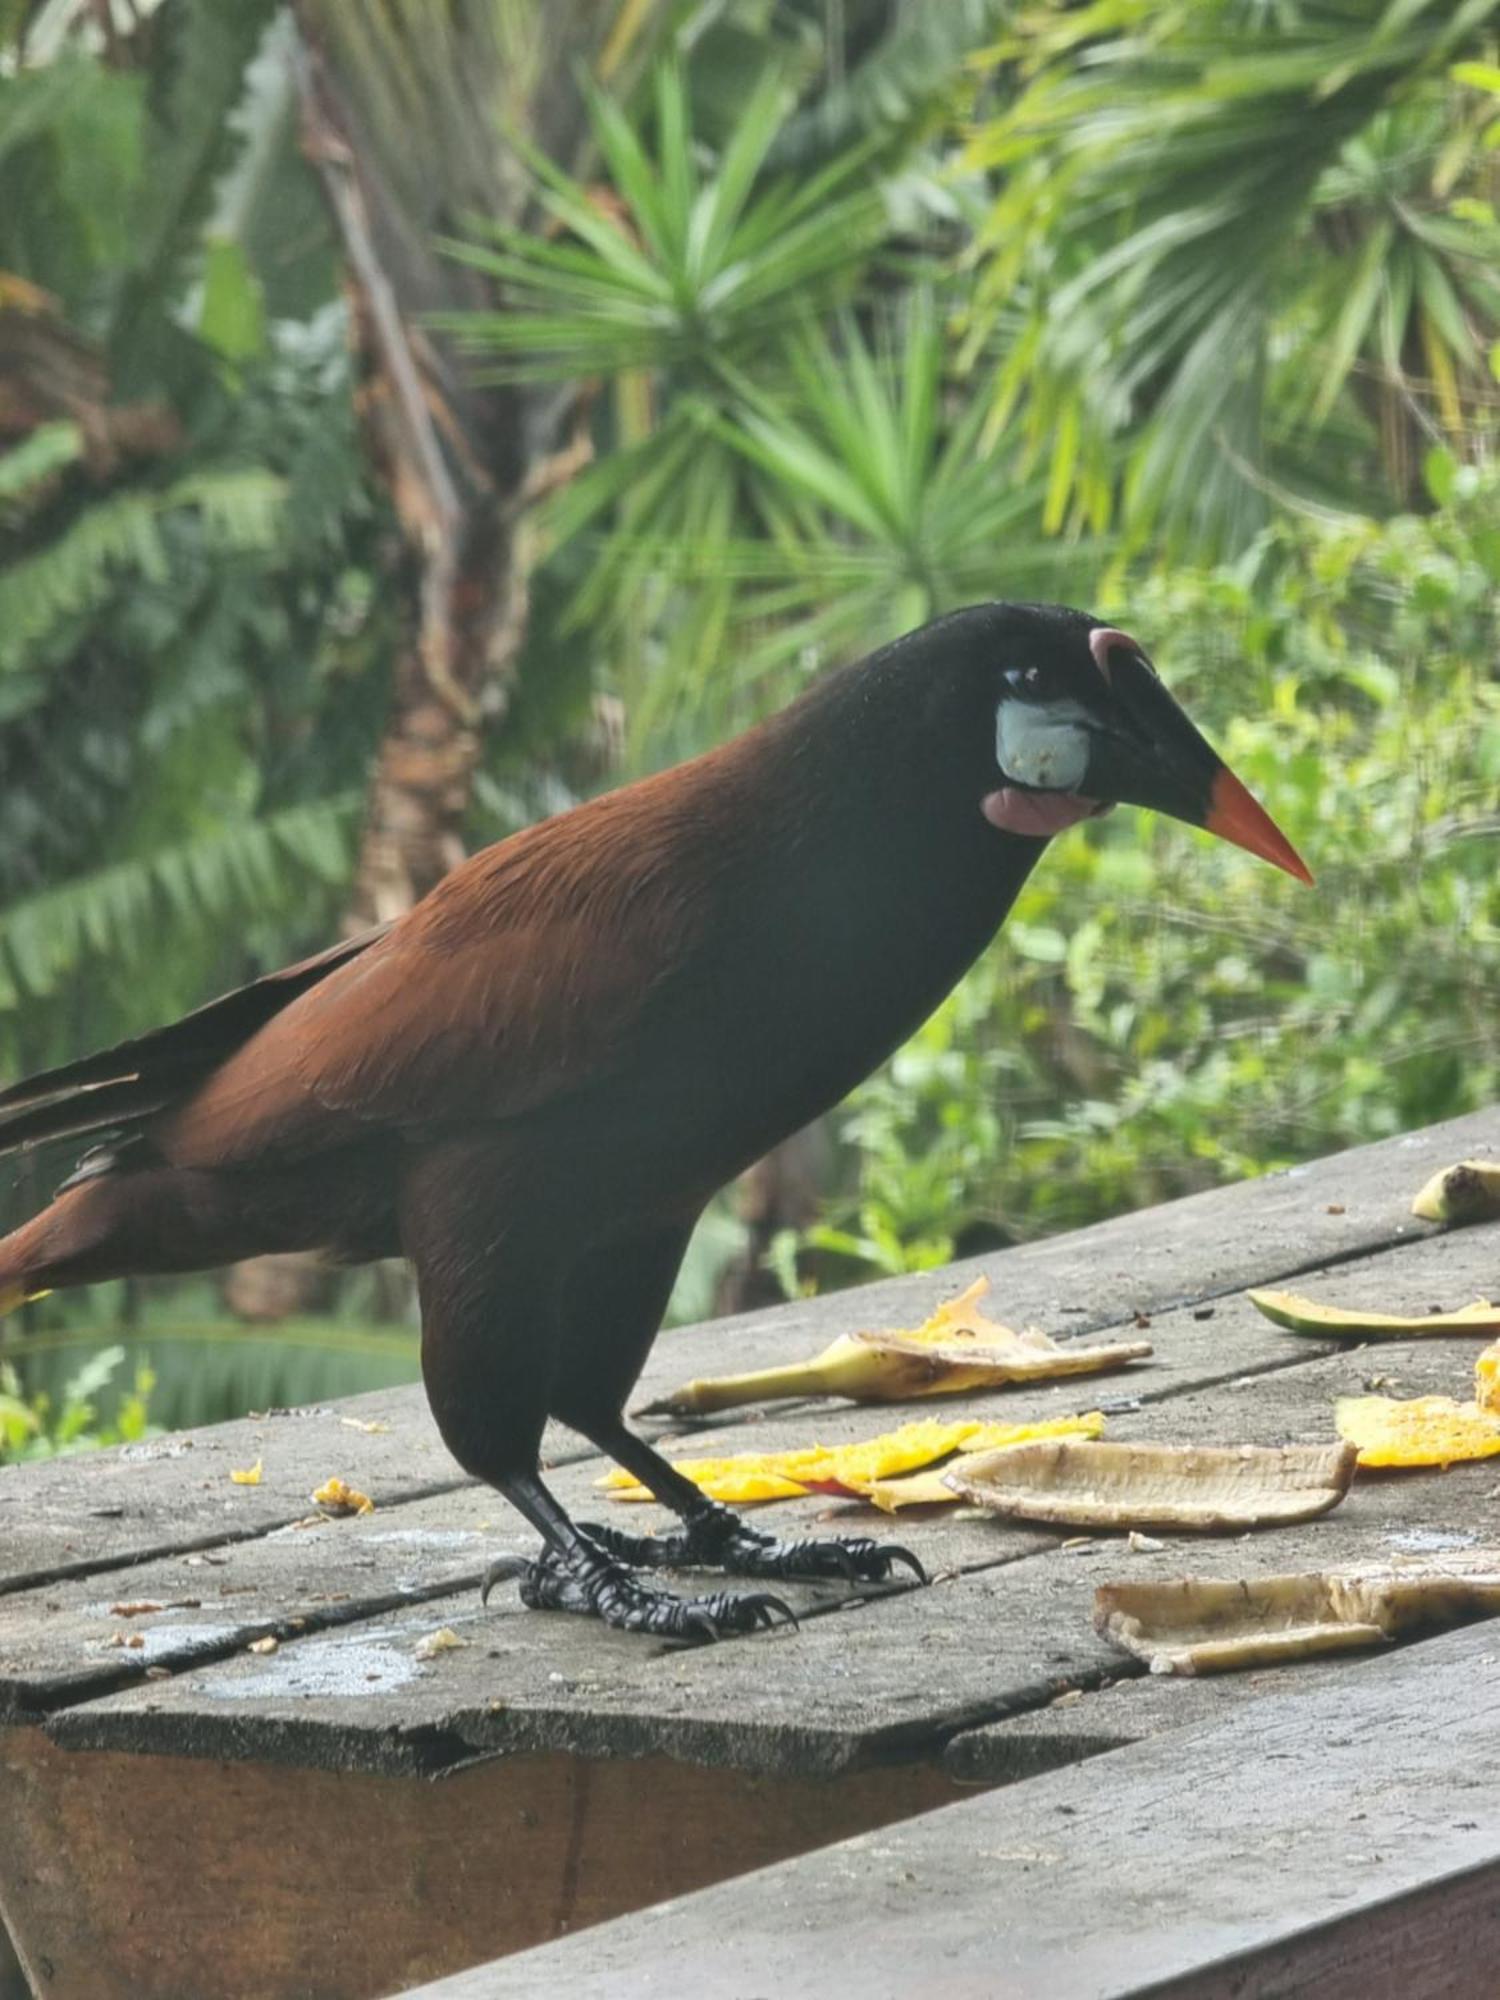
(108, 1509)
(649, 1770)
(1337, 1842)
(1006, 1629)
(341, 1594)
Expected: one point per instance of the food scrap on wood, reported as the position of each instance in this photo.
(1205, 1625)
(1299, 1315)
(1426, 1430)
(336, 1496)
(1067, 1483)
(443, 1640)
(1469, 1192)
(867, 1470)
(958, 1348)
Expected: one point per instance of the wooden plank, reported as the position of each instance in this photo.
(122, 1875)
(1341, 1842)
(97, 1511)
(1006, 1629)
(102, 1510)
(82, 1638)
(54, 1647)
(1084, 1723)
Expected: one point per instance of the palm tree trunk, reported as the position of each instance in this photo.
(405, 135)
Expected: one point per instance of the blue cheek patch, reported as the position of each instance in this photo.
(1042, 744)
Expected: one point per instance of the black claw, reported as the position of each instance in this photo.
(502, 1570)
(594, 1584)
(770, 1606)
(894, 1554)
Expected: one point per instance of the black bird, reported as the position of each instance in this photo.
(532, 1083)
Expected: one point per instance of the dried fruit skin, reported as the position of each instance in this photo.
(853, 1470)
(1197, 1625)
(1299, 1315)
(1422, 1430)
(788, 1475)
(1087, 1485)
(931, 1489)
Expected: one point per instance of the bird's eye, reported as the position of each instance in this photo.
(1025, 680)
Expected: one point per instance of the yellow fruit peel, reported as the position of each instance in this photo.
(1299, 1315)
(1487, 1379)
(930, 1488)
(957, 1349)
(854, 1470)
(1203, 1625)
(248, 1475)
(1422, 1430)
(1067, 1482)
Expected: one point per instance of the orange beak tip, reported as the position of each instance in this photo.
(1237, 817)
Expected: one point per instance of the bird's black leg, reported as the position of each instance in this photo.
(483, 1230)
(574, 1573)
(713, 1537)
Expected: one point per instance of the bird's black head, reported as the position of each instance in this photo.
(1063, 717)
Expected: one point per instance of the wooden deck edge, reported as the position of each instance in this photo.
(123, 1876)
(1341, 1842)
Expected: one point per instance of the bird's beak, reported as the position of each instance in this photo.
(1150, 755)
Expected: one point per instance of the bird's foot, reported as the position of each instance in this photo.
(592, 1583)
(716, 1538)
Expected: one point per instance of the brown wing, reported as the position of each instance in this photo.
(529, 972)
(120, 1087)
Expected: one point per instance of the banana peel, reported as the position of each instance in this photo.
(1204, 1625)
(1068, 1483)
(1469, 1192)
(959, 1348)
(930, 1488)
(1299, 1315)
(852, 1471)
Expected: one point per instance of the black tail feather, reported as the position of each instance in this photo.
(119, 1087)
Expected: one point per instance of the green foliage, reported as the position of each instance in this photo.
(1160, 1014)
(36, 1426)
(186, 601)
(1212, 222)
(182, 1371)
(693, 273)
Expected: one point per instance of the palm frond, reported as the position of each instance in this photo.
(117, 913)
(680, 269)
(120, 537)
(1171, 178)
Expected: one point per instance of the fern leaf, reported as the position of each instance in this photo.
(37, 458)
(117, 913)
(118, 537)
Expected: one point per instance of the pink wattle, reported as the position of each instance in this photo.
(1039, 814)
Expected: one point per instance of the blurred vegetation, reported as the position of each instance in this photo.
(1186, 312)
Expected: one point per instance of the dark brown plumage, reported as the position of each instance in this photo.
(532, 1083)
